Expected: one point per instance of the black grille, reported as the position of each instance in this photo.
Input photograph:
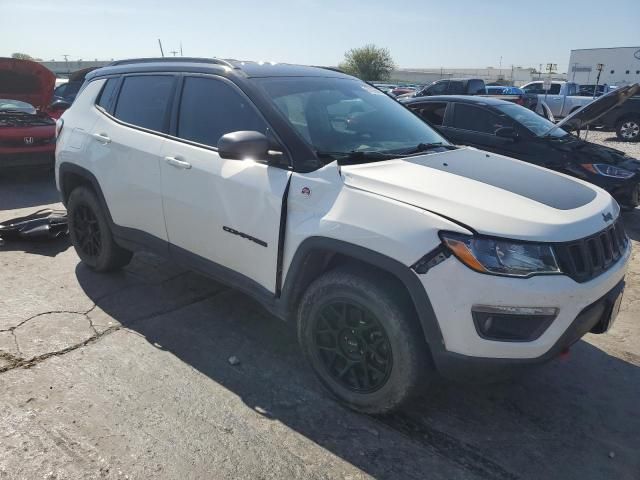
(587, 258)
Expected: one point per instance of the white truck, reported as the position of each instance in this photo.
(562, 97)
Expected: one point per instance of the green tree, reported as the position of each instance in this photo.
(368, 63)
(21, 56)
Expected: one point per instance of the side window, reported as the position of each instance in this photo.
(105, 100)
(476, 119)
(144, 100)
(437, 88)
(456, 87)
(210, 108)
(555, 89)
(59, 90)
(433, 113)
(476, 87)
(535, 87)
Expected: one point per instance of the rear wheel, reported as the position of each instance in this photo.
(628, 129)
(91, 235)
(362, 341)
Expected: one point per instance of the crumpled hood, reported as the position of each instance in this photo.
(26, 81)
(491, 194)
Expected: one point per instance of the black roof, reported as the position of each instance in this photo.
(247, 69)
(472, 99)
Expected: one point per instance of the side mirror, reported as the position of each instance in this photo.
(58, 105)
(507, 132)
(243, 145)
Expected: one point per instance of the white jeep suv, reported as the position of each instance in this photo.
(398, 254)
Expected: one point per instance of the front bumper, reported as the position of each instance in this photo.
(593, 318)
(454, 289)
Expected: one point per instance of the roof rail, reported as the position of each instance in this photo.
(215, 61)
(333, 69)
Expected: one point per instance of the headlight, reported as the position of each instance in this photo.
(607, 170)
(501, 257)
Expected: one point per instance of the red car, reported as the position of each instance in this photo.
(27, 130)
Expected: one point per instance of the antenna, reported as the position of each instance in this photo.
(173, 52)
(181, 49)
(161, 51)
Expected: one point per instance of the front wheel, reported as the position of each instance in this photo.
(90, 233)
(628, 130)
(362, 341)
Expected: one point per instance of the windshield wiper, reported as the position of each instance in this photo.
(425, 147)
(356, 156)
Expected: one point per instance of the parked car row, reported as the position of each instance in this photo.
(397, 253)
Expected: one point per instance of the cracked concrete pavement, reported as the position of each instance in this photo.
(126, 375)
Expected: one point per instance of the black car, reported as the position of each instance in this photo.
(450, 86)
(508, 129)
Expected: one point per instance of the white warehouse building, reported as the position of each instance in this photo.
(621, 65)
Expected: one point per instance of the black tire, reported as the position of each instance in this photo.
(628, 129)
(91, 235)
(386, 336)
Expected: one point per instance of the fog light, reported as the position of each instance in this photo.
(512, 324)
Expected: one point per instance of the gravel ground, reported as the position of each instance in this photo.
(127, 376)
(609, 139)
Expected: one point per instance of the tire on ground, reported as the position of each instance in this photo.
(411, 368)
(625, 124)
(110, 256)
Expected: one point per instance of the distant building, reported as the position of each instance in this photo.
(621, 65)
(63, 69)
(504, 76)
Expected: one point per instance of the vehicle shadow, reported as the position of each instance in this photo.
(28, 187)
(48, 248)
(560, 421)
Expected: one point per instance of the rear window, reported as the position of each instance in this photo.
(105, 99)
(144, 101)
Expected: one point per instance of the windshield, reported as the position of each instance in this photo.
(8, 105)
(533, 122)
(344, 115)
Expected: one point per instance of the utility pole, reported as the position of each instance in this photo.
(66, 62)
(173, 52)
(161, 51)
(539, 71)
(599, 67)
(547, 83)
(181, 49)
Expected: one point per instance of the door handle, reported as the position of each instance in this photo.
(103, 138)
(177, 162)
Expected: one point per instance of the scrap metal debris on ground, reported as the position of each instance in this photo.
(46, 224)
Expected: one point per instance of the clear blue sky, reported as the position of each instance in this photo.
(419, 33)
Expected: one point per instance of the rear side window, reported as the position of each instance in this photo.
(456, 87)
(476, 119)
(105, 100)
(210, 108)
(433, 113)
(437, 88)
(555, 89)
(535, 87)
(144, 101)
(476, 87)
